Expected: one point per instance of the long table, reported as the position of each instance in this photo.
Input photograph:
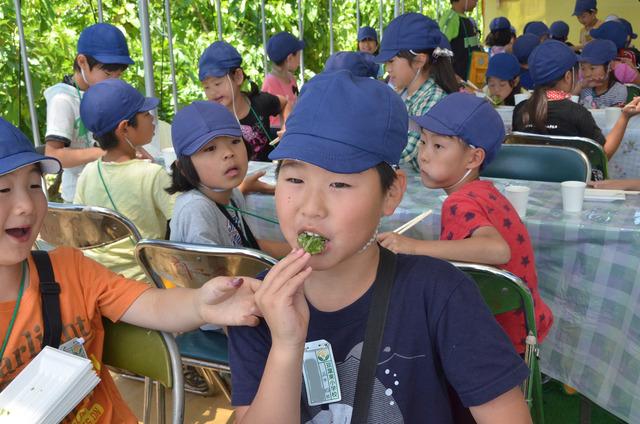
(589, 274)
(625, 163)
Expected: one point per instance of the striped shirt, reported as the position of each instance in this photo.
(616, 95)
(419, 103)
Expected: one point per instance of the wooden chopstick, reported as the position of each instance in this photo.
(404, 227)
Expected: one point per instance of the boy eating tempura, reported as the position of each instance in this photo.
(336, 180)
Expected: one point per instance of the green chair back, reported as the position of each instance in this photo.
(539, 163)
(145, 352)
(594, 152)
(504, 292)
(632, 91)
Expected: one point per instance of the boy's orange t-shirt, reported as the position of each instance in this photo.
(88, 291)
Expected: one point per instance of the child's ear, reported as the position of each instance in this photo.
(394, 194)
(516, 81)
(122, 128)
(238, 76)
(420, 59)
(476, 158)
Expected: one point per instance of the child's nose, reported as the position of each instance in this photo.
(313, 205)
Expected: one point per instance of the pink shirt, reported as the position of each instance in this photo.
(275, 86)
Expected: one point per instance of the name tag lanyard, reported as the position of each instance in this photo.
(15, 310)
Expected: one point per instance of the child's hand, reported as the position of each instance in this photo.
(616, 184)
(252, 184)
(281, 300)
(396, 243)
(228, 301)
(632, 108)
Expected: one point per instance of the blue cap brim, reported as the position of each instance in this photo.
(213, 72)
(48, 164)
(590, 60)
(327, 154)
(385, 56)
(150, 103)
(199, 142)
(111, 59)
(434, 125)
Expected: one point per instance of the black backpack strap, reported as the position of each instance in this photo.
(50, 295)
(385, 277)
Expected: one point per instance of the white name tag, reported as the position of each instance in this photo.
(320, 373)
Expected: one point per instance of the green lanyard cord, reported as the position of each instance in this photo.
(233, 208)
(87, 142)
(104, 184)
(15, 309)
(255, 115)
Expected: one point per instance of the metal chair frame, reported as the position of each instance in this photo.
(235, 257)
(578, 152)
(60, 229)
(509, 284)
(594, 152)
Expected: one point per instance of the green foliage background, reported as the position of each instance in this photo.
(52, 29)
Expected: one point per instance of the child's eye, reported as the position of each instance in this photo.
(36, 186)
(5, 190)
(236, 141)
(437, 146)
(210, 148)
(294, 180)
(422, 142)
(340, 185)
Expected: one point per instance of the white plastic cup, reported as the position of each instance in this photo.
(572, 195)
(612, 114)
(519, 198)
(519, 98)
(169, 156)
(480, 94)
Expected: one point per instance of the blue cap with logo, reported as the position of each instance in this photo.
(499, 23)
(524, 45)
(504, 66)
(17, 151)
(110, 102)
(345, 124)
(105, 43)
(411, 31)
(359, 63)
(598, 52)
(217, 60)
(538, 28)
(466, 116)
(200, 122)
(628, 27)
(550, 61)
(584, 6)
(611, 30)
(282, 45)
(559, 30)
(367, 32)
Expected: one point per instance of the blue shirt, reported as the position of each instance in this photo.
(438, 331)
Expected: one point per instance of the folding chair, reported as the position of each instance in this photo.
(539, 163)
(191, 265)
(594, 152)
(153, 354)
(504, 292)
(88, 227)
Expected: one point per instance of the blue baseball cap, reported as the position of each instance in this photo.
(17, 151)
(598, 52)
(110, 102)
(466, 116)
(282, 45)
(504, 66)
(628, 27)
(499, 23)
(359, 63)
(584, 6)
(200, 122)
(444, 41)
(217, 60)
(513, 30)
(538, 28)
(559, 30)
(367, 32)
(105, 43)
(611, 30)
(524, 45)
(410, 31)
(550, 61)
(345, 124)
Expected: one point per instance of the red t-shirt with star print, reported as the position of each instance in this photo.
(479, 204)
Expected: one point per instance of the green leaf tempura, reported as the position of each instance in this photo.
(312, 243)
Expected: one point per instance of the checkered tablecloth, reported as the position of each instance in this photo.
(589, 274)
